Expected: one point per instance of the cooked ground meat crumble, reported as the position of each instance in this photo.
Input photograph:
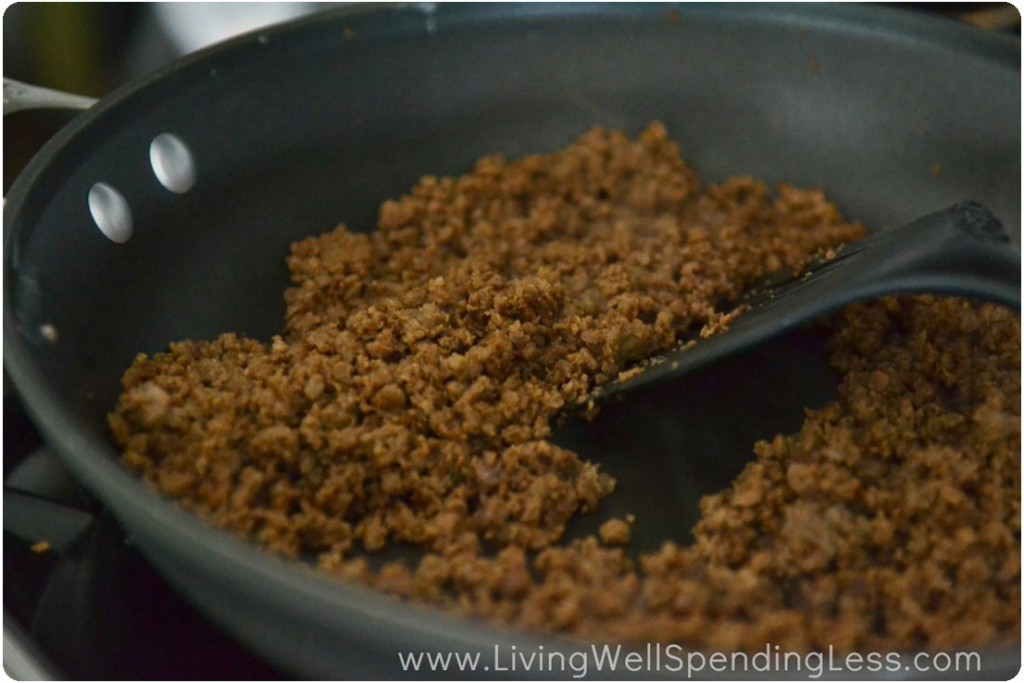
(410, 396)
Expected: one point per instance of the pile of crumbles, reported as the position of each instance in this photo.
(409, 402)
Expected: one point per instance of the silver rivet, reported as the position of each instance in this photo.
(48, 332)
(111, 213)
(172, 163)
(263, 40)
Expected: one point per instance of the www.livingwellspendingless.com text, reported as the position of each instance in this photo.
(673, 659)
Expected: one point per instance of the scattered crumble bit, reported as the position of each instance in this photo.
(721, 321)
(614, 532)
(630, 373)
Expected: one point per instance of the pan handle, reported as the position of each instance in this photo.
(19, 96)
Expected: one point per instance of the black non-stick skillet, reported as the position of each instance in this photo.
(291, 130)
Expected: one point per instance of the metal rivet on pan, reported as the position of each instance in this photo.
(111, 213)
(172, 163)
(48, 332)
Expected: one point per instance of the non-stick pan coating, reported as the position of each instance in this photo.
(300, 127)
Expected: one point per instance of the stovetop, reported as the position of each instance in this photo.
(80, 602)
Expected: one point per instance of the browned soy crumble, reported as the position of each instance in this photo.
(410, 395)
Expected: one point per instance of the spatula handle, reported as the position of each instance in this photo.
(963, 250)
(19, 96)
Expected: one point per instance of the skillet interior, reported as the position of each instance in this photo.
(300, 127)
